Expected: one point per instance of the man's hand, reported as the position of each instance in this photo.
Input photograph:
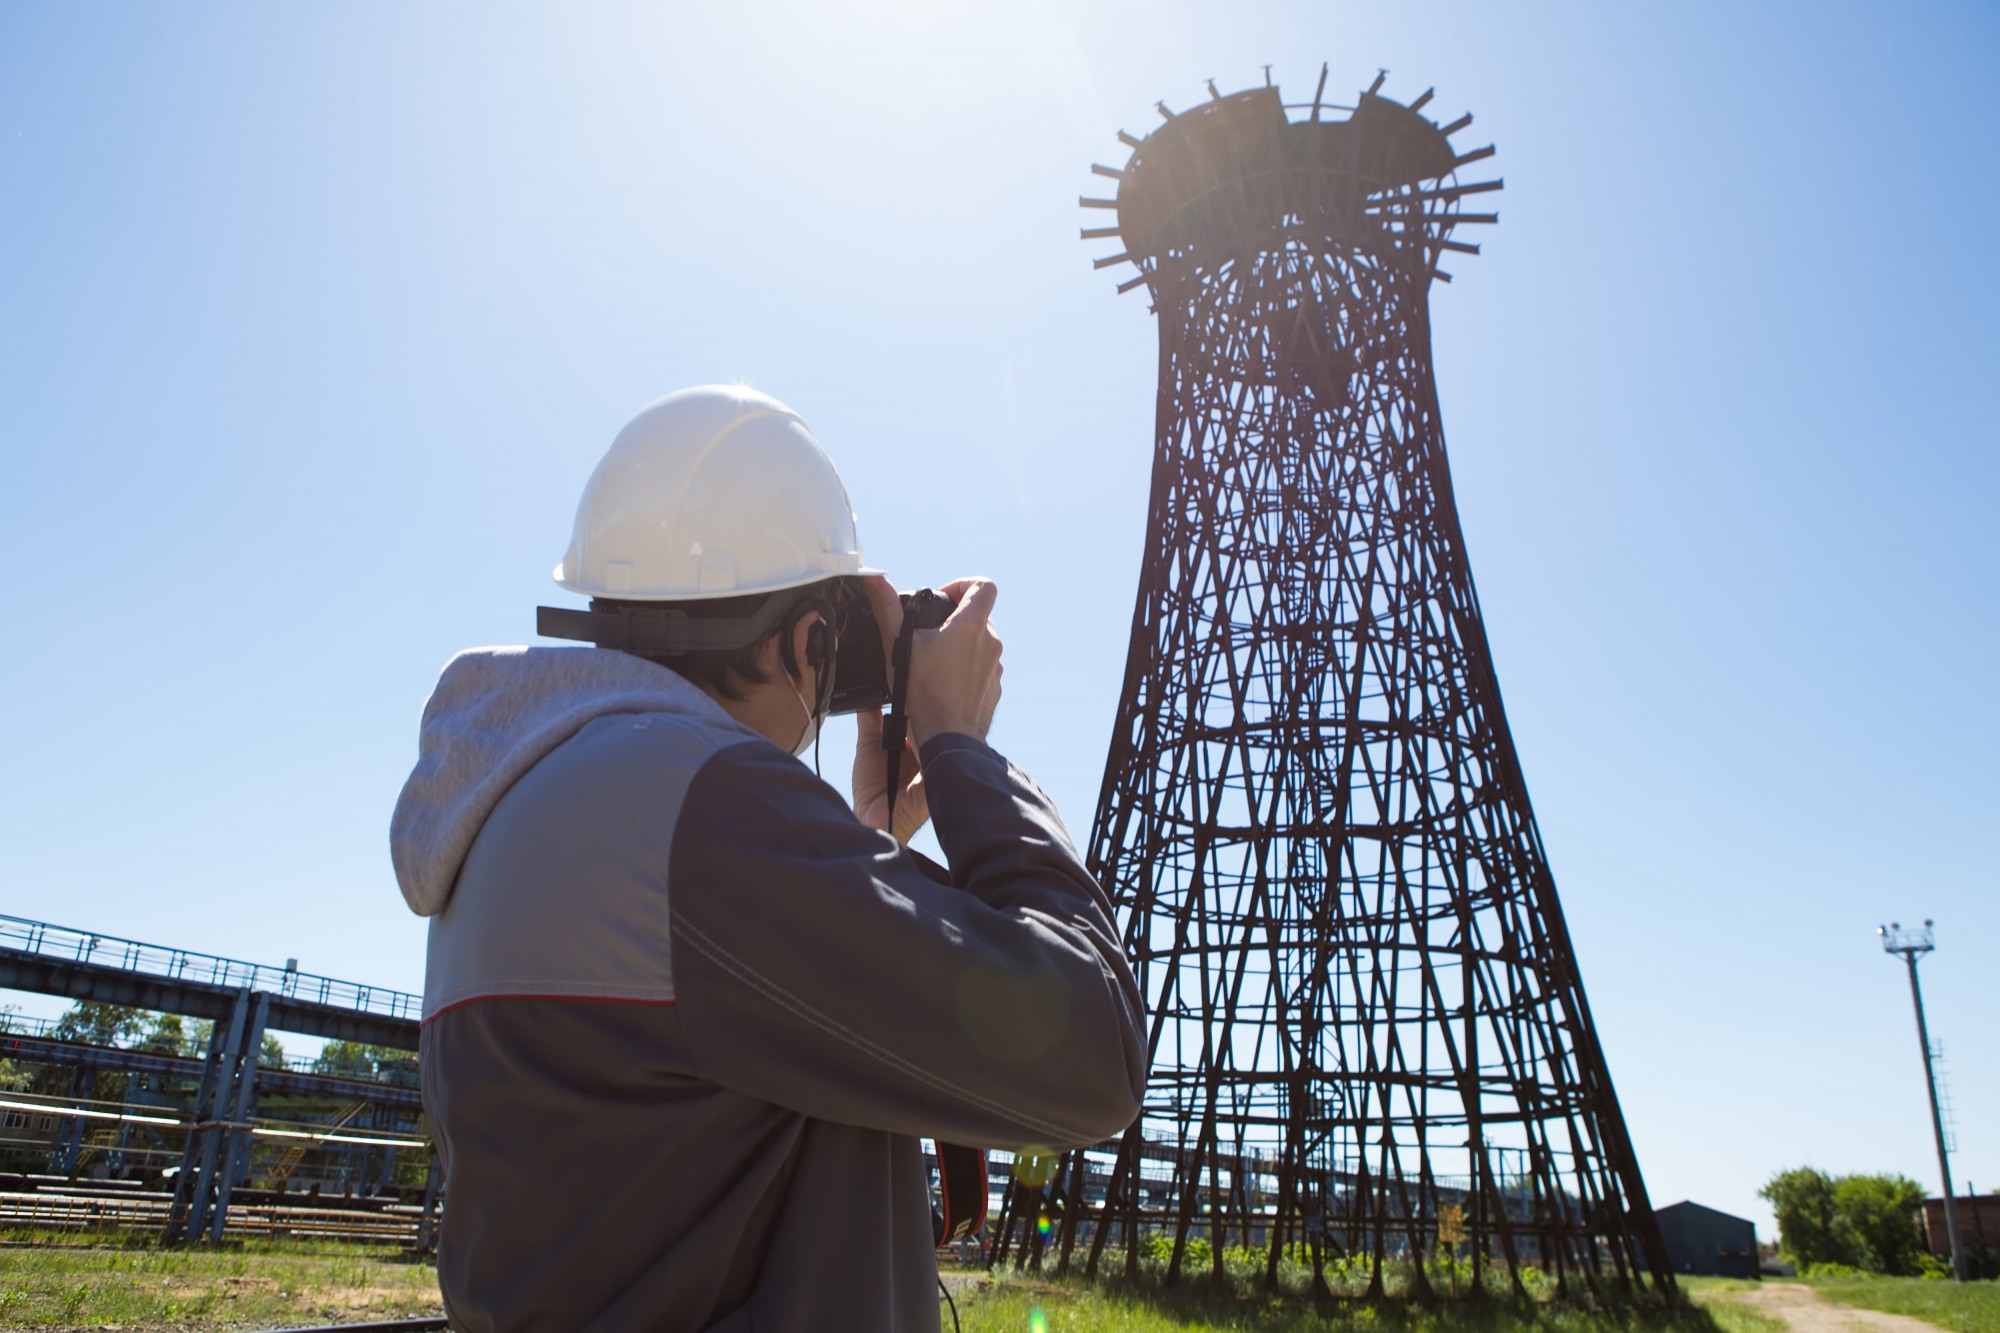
(871, 781)
(954, 686)
(955, 670)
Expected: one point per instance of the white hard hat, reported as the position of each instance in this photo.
(716, 491)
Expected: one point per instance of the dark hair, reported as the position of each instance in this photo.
(729, 671)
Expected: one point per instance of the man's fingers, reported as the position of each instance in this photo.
(957, 588)
(975, 598)
(868, 726)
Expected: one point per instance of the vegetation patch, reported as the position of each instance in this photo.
(1849, 1224)
(1966, 1307)
(1722, 1298)
(255, 1284)
(1014, 1302)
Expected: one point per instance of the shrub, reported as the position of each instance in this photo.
(1879, 1215)
(1854, 1223)
(1808, 1223)
(1160, 1249)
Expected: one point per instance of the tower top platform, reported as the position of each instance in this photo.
(1245, 173)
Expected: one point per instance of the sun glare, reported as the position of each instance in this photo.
(901, 16)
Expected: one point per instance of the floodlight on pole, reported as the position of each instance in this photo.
(1912, 945)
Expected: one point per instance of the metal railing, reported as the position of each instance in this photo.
(364, 1070)
(22, 1025)
(81, 946)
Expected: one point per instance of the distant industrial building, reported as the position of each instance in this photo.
(1708, 1243)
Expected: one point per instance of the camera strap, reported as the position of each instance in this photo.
(959, 1210)
(962, 1181)
(896, 726)
(663, 631)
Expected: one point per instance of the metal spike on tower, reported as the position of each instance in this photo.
(1369, 1039)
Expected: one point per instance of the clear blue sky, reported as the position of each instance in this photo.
(314, 318)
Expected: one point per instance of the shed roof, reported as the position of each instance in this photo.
(1686, 1205)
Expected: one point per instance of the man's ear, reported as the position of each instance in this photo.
(818, 647)
(806, 641)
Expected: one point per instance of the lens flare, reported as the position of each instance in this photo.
(1043, 1225)
(1037, 1321)
(1034, 1164)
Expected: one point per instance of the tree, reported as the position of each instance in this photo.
(346, 1058)
(168, 1036)
(354, 1059)
(99, 1024)
(12, 1077)
(1808, 1219)
(1863, 1221)
(1879, 1216)
(272, 1054)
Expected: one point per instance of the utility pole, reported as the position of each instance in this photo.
(1912, 945)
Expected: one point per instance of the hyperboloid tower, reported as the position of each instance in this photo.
(1369, 1038)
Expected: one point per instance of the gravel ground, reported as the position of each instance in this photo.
(1802, 1309)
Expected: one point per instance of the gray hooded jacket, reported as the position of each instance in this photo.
(685, 1019)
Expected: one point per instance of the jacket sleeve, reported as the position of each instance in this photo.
(816, 965)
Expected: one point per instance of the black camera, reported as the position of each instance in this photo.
(860, 664)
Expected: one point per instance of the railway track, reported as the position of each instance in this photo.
(83, 1212)
(391, 1325)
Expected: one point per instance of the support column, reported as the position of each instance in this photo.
(219, 1136)
(188, 1181)
(69, 1142)
(135, 1085)
(238, 1141)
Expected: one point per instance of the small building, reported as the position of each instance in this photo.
(28, 1134)
(1704, 1242)
(1978, 1230)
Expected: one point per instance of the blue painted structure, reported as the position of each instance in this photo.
(242, 1000)
(80, 965)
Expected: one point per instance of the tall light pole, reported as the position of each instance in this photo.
(1914, 944)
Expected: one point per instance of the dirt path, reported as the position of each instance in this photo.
(1805, 1312)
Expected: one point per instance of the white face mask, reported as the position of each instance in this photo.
(811, 733)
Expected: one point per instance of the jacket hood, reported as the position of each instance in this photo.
(494, 714)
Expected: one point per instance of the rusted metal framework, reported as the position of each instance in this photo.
(1367, 1029)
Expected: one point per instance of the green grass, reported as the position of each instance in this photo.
(1721, 1298)
(137, 1284)
(1965, 1307)
(1015, 1303)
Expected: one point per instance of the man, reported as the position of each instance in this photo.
(686, 1015)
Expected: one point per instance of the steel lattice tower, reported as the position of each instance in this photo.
(1365, 1008)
